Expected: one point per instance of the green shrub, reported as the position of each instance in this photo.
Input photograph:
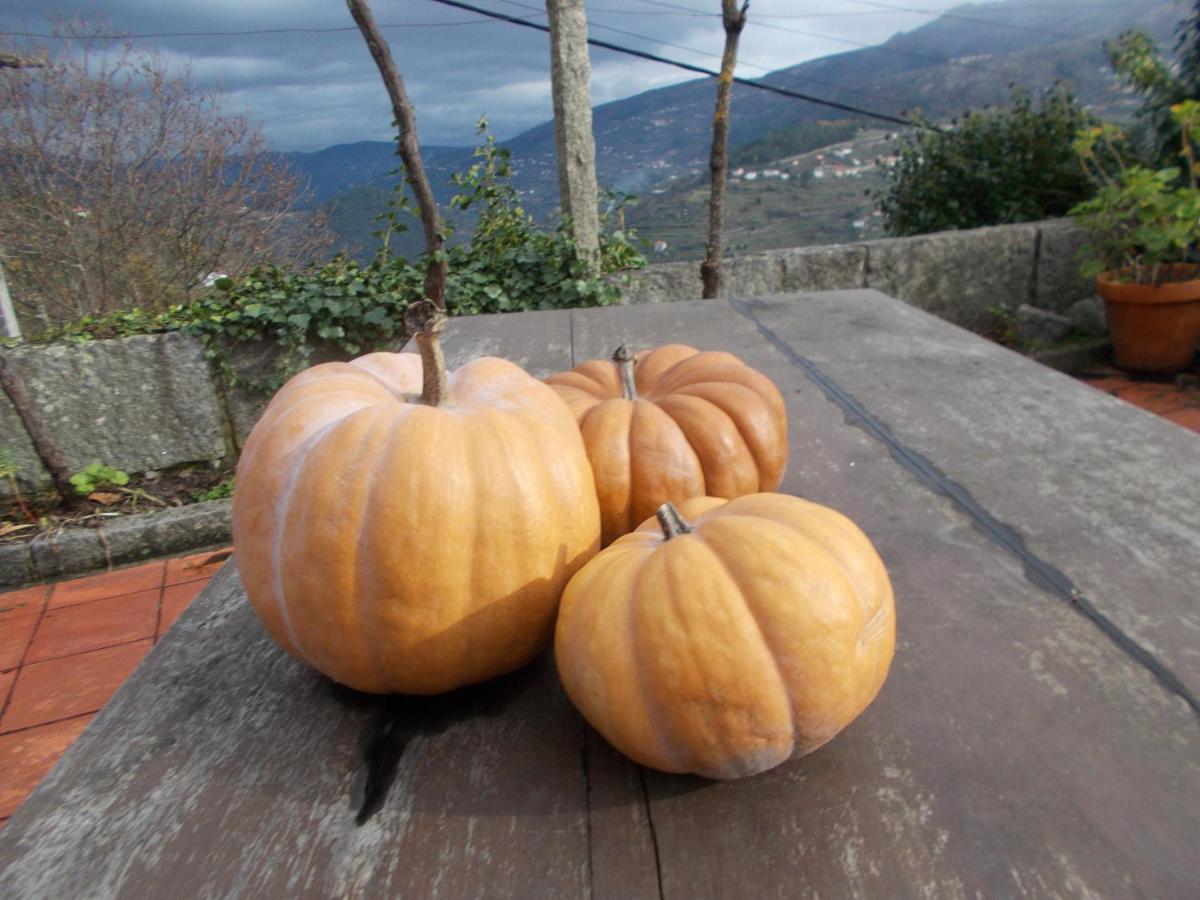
(994, 167)
(1161, 82)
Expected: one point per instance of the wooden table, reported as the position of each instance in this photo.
(1039, 734)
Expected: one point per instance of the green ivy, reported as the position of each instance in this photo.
(342, 304)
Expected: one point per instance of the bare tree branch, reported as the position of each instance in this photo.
(410, 149)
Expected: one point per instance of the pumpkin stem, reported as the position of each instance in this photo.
(624, 360)
(424, 322)
(673, 524)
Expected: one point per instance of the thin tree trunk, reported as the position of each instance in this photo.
(410, 150)
(575, 144)
(734, 21)
(43, 442)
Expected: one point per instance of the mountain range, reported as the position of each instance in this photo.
(969, 57)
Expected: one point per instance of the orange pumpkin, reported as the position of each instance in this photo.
(681, 423)
(406, 546)
(726, 646)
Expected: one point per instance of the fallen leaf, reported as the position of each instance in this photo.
(106, 498)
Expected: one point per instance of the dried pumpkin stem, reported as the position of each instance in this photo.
(673, 524)
(624, 360)
(424, 322)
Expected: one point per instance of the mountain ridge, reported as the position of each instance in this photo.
(966, 58)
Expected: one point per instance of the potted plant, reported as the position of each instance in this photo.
(1144, 226)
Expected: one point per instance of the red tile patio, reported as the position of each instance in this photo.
(65, 648)
(1177, 399)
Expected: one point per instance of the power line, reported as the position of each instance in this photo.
(741, 62)
(641, 54)
(651, 39)
(253, 32)
(882, 8)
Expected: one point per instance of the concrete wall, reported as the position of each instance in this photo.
(152, 401)
(957, 275)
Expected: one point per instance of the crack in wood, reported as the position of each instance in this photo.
(653, 834)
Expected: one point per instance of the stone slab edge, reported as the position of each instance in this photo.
(1029, 262)
(127, 540)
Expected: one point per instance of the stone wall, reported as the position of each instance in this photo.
(960, 276)
(153, 402)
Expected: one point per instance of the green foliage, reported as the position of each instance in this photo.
(1142, 219)
(9, 467)
(996, 166)
(1141, 66)
(342, 304)
(220, 491)
(512, 264)
(95, 476)
(122, 323)
(793, 140)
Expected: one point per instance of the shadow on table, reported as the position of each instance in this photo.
(396, 720)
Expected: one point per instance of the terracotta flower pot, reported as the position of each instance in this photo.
(1154, 328)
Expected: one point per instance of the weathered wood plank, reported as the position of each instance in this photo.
(1014, 751)
(1105, 491)
(623, 856)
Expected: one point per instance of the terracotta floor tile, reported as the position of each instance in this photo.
(14, 638)
(198, 565)
(90, 626)
(107, 584)
(1108, 384)
(176, 598)
(1188, 417)
(26, 602)
(70, 686)
(1153, 398)
(27, 756)
(6, 683)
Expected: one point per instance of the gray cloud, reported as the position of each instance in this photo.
(308, 91)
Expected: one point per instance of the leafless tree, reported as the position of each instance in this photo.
(124, 184)
(734, 20)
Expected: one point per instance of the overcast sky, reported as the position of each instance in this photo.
(310, 90)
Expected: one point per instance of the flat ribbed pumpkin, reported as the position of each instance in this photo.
(408, 540)
(725, 646)
(679, 423)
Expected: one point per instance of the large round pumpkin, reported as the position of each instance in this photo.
(726, 646)
(403, 547)
(676, 423)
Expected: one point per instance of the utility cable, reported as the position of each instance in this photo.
(334, 29)
(641, 54)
